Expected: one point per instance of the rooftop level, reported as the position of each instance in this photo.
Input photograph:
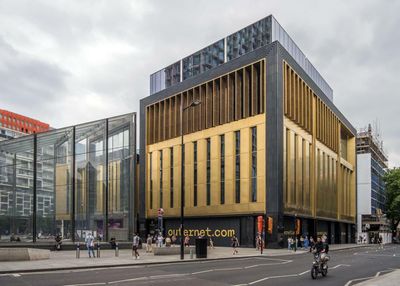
(250, 38)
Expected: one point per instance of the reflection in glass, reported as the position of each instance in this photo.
(54, 209)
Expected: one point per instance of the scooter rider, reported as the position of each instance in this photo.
(324, 252)
(319, 246)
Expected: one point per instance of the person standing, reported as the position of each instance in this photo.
(149, 244)
(312, 243)
(186, 242)
(306, 242)
(89, 241)
(160, 240)
(58, 242)
(235, 244)
(173, 239)
(135, 246)
(289, 243)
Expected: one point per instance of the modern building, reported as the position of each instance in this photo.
(13, 125)
(265, 140)
(19, 124)
(70, 181)
(371, 196)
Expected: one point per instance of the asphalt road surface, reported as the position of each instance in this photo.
(346, 267)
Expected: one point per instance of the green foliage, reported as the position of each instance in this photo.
(392, 182)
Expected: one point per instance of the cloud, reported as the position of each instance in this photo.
(66, 62)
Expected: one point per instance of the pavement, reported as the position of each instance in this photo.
(63, 260)
(347, 266)
(389, 279)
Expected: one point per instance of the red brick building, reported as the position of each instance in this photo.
(21, 123)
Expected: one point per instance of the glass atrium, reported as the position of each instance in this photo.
(70, 181)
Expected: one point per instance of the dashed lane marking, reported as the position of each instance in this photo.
(287, 276)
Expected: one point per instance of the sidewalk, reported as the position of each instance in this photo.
(390, 279)
(64, 260)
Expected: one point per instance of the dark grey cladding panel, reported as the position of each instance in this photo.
(289, 59)
(142, 165)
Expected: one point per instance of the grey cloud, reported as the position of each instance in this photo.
(354, 44)
(26, 82)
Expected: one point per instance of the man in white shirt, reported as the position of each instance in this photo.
(89, 240)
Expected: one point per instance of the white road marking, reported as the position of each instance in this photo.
(16, 275)
(358, 279)
(370, 277)
(167, 276)
(128, 280)
(339, 265)
(204, 271)
(87, 284)
(289, 275)
(229, 269)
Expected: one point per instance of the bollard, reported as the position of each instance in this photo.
(78, 251)
(191, 253)
(116, 250)
(98, 250)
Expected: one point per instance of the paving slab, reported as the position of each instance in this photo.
(390, 279)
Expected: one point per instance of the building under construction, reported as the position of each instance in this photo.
(371, 194)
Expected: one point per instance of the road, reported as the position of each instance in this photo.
(346, 267)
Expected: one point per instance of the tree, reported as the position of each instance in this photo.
(392, 182)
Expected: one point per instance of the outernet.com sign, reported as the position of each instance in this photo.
(203, 232)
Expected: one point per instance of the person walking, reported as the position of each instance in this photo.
(149, 244)
(211, 243)
(89, 241)
(235, 244)
(135, 246)
(380, 241)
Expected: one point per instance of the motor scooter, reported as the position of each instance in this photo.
(320, 264)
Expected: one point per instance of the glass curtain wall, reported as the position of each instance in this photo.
(69, 182)
(17, 192)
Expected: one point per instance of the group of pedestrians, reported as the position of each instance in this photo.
(304, 242)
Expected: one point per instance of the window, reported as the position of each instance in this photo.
(208, 171)
(171, 178)
(222, 184)
(237, 168)
(195, 174)
(254, 164)
(151, 180)
(161, 181)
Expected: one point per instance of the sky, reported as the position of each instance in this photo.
(67, 62)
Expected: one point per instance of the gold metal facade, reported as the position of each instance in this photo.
(246, 206)
(319, 161)
(233, 96)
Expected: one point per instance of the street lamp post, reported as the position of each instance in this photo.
(196, 102)
(295, 232)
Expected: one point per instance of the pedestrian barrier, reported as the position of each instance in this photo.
(98, 250)
(191, 253)
(78, 251)
(116, 250)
